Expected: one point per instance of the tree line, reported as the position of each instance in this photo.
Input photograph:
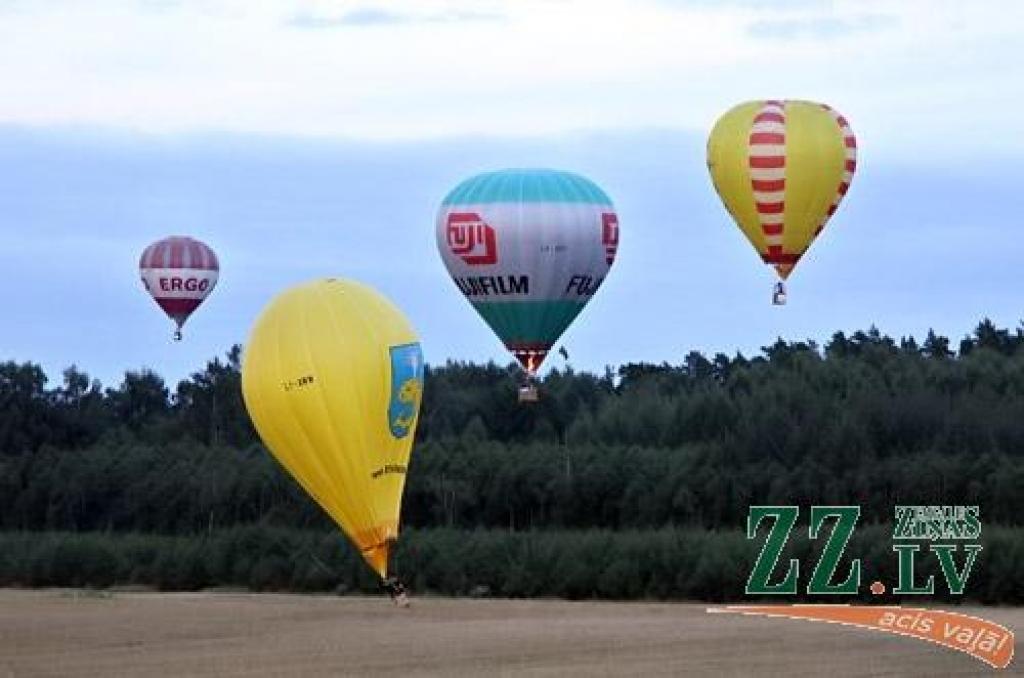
(863, 419)
(663, 564)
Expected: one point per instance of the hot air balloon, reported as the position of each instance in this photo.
(782, 168)
(528, 248)
(332, 378)
(179, 273)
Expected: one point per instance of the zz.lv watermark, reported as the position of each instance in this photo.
(916, 529)
(913, 527)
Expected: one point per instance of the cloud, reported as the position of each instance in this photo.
(369, 16)
(160, 4)
(819, 27)
(746, 4)
(495, 67)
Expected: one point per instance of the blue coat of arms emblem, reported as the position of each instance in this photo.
(406, 387)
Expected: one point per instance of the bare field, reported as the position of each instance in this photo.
(67, 633)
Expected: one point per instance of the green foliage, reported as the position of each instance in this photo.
(663, 564)
(609, 486)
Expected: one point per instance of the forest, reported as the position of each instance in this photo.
(634, 483)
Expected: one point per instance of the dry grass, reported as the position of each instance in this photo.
(49, 633)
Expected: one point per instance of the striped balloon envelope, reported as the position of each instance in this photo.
(782, 168)
(179, 273)
(528, 248)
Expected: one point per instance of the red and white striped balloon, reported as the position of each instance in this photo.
(179, 273)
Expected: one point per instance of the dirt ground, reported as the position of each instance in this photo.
(68, 633)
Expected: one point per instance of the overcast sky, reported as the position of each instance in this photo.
(302, 139)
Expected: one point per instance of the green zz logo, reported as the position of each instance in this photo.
(963, 526)
(824, 572)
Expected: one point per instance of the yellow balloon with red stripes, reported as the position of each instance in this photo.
(782, 168)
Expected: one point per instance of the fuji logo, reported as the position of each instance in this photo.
(471, 238)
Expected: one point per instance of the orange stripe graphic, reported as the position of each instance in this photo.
(982, 639)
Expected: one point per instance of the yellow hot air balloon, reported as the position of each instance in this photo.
(332, 378)
(781, 168)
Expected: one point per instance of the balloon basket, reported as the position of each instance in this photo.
(528, 393)
(779, 295)
(177, 335)
(395, 589)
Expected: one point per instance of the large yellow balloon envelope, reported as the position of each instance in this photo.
(781, 168)
(332, 378)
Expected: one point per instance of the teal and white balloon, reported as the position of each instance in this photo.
(528, 248)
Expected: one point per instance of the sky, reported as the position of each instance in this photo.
(307, 139)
